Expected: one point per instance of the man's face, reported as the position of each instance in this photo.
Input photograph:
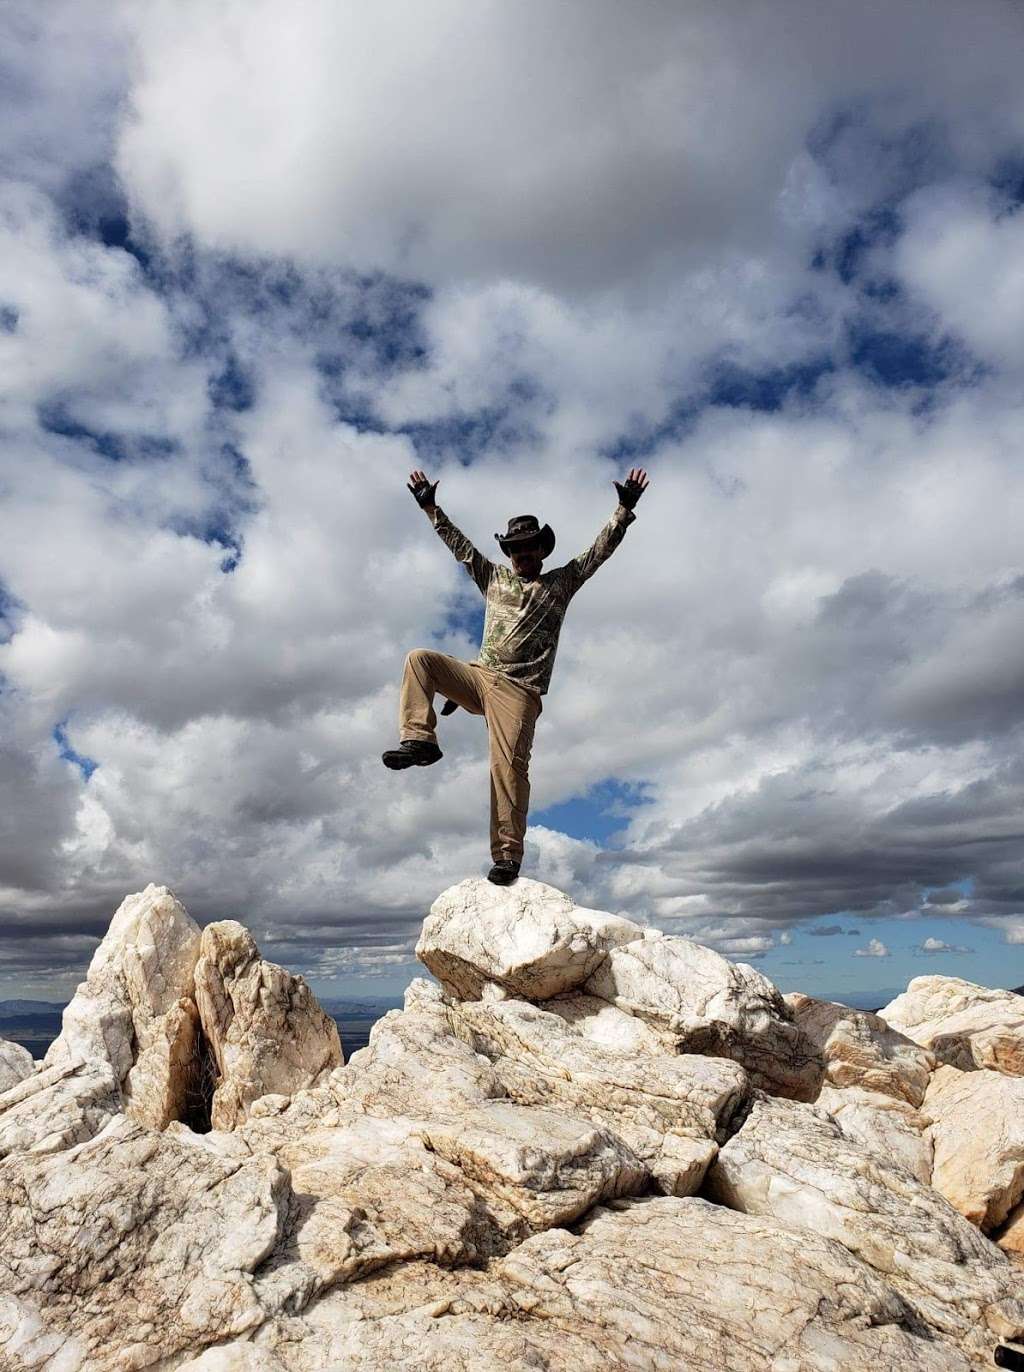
(526, 561)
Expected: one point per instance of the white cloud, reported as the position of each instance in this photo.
(808, 644)
(566, 145)
(875, 949)
(962, 253)
(1011, 927)
(937, 945)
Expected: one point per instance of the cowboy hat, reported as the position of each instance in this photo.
(524, 530)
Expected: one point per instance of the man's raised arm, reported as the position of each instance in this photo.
(478, 567)
(586, 564)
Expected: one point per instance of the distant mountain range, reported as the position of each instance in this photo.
(10, 1008)
(36, 1023)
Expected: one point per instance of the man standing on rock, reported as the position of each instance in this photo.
(523, 618)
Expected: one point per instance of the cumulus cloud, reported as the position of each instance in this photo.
(374, 135)
(251, 276)
(938, 945)
(875, 949)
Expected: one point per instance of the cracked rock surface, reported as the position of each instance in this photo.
(585, 1149)
(264, 1026)
(978, 1136)
(964, 1025)
(712, 1006)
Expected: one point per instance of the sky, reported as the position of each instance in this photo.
(258, 263)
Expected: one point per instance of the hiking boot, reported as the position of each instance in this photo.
(504, 872)
(412, 752)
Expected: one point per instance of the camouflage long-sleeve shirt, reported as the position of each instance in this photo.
(523, 619)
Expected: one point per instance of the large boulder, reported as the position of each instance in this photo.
(657, 1283)
(860, 1049)
(793, 1164)
(963, 1024)
(16, 1063)
(529, 938)
(978, 1136)
(711, 1006)
(669, 1108)
(135, 1011)
(263, 1025)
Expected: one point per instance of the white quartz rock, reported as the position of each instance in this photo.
(883, 1123)
(264, 1026)
(978, 1136)
(964, 1025)
(135, 1011)
(529, 938)
(861, 1049)
(712, 1006)
(137, 1246)
(57, 1107)
(668, 1109)
(16, 1063)
(548, 1166)
(794, 1164)
(658, 1283)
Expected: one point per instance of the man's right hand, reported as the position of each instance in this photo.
(422, 490)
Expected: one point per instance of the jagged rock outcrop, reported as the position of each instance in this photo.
(861, 1049)
(16, 1063)
(134, 1010)
(601, 1174)
(172, 1023)
(964, 1025)
(978, 1137)
(529, 938)
(875, 1080)
(263, 1025)
(711, 1006)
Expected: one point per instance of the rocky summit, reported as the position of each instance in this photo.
(585, 1146)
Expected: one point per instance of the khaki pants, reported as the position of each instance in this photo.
(511, 713)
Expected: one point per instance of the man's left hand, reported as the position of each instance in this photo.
(632, 488)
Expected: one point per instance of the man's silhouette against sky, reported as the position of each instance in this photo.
(522, 622)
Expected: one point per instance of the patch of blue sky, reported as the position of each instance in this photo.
(1008, 180)
(463, 617)
(8, 319)
(56, 416)
(830, 968)
(233, 386)
(601, 814)
(10, 613)
(234, 496)
(86, 765)
(93, 205)
(896, 359)
(726, 384)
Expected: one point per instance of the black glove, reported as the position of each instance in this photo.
(629, 492)
(424, 493)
